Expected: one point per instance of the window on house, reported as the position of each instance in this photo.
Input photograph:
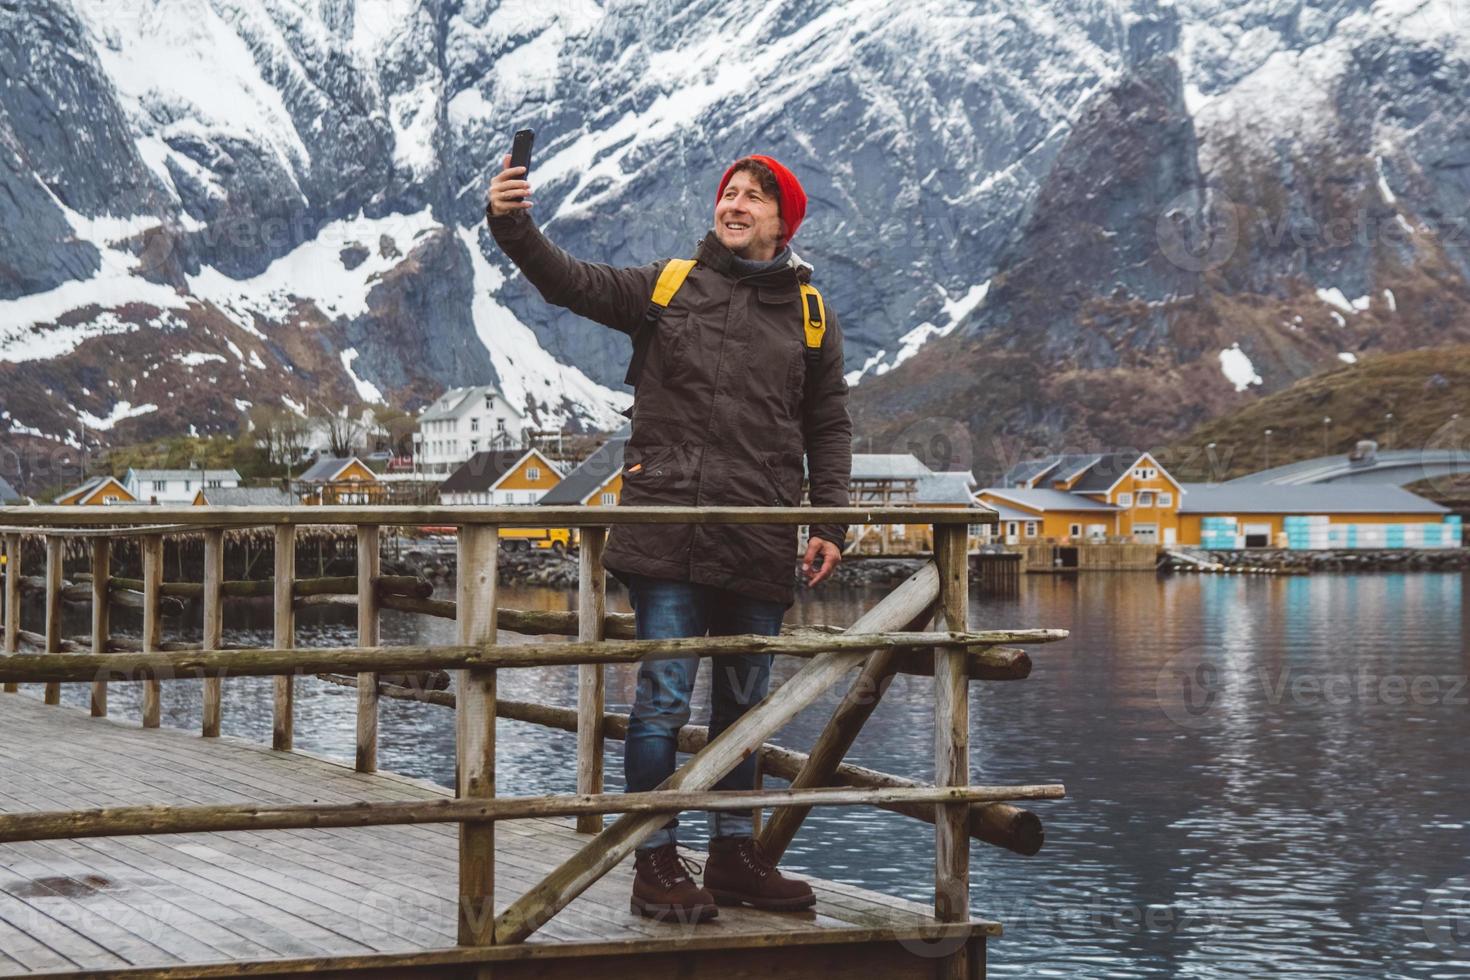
(474, 445)
(533, 472)
(609, 499)
(160, 486)
(1125, 500)
(475, 424)
(489, 402)
(500, 425)
(1074, 530)
(213, 484)
(1030, 529)
(1145, 499)
(1011, 527)
(1166, 499)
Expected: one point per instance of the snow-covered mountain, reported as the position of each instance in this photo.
(214, 203)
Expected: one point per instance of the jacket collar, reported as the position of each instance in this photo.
(713, 253)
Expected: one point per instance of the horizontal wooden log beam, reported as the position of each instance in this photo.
(27, 518)
(998, 824)
(138, 820)
(29, 668)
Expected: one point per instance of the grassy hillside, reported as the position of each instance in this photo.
(1405, 400)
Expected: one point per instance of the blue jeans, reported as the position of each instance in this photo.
(663, 609)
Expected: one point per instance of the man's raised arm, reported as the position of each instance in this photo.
(613, 296)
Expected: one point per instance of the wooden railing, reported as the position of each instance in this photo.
(888, 639)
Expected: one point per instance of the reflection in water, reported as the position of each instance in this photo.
(1264, 773)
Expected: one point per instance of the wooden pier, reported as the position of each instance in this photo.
(130, 850)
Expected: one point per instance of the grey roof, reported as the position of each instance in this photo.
(449, 404)
(481, 471)
(182, 475)
(1105, 470)
(592, 473)
(1005, 513)
(1027, 470)
(8, 494)
(86, 486)
(247, 497)
(945, 488)
(888, 466)
(1046, 498)
(1255, 498)
(327, 467)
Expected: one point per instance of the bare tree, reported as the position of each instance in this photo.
(343, 430)
(393, 429)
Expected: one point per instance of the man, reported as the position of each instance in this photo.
(730, 394)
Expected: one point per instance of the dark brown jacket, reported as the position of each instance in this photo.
(723, 411)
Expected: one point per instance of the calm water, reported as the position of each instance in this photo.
(1264, 775)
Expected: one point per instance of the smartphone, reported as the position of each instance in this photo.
(520, 150)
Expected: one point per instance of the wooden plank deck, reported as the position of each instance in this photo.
(362, 901)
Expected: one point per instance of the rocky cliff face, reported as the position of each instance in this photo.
(1262, 194)
(1082, 222)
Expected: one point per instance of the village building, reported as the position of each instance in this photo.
(463, 422)
(244, 497)
(9, 496)
(595, 482)
(1093, 497)
(99, 491)
(333, 480)
(501, 478)
(176, 486)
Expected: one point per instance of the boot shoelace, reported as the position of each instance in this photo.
(754, 858)
(670, 867)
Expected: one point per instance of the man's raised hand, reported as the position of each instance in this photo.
(508, 193)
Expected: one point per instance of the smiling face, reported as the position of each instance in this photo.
(748, 219)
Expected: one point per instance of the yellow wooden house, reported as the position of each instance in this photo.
(1091, 496)
(335, 480)
(99, 491)
(507, 478)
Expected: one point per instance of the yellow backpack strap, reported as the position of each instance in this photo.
(814, 316)
(670, 278)
(669, 281)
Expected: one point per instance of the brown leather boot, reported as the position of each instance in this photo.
(663, 890)
(738, 872)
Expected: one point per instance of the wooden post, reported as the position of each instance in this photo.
(54, 556)
(12, 600)
(847, 719)
(369, 565)
(952, 743)
(281, 732)
(591, 615)
(758, 814)
(474, 719)
(214, 610)
(101, 616)
(152, 626)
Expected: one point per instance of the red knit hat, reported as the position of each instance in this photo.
(792, 199)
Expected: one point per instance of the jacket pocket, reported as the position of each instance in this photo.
(784, 474)
(660, 473)
(672, 336)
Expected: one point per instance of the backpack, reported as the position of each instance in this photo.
(814, 317)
